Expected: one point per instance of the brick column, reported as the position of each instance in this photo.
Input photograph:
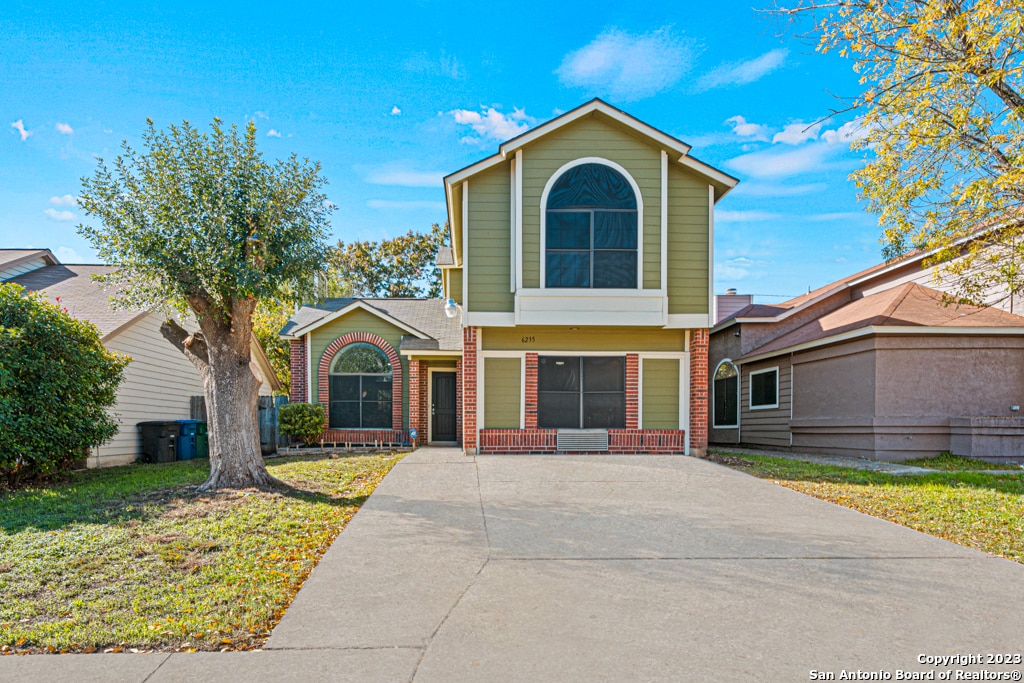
(632, 391)
(698, 391)
(298, 368)
(469, 389)
(530, 392)
(418, 412)
(458, 400)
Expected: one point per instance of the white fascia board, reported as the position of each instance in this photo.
(429, 353)
(688, 320)
(473, 169)
(358, 304)
(486, 319)
(665, 140)
(709, 172)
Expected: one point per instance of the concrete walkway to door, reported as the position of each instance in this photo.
(612, 568)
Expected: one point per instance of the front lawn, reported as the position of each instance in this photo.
(983, 511)
(134, 558)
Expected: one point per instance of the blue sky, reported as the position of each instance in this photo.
(389, 98)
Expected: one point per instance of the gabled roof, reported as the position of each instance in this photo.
(424, 319)
(445, 257)
(909, 305)
(679, 149)
(84, 298)
(13, 257)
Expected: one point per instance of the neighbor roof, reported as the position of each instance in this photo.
(436, 331)
(12, 257)
(909, 305)
(84, 298)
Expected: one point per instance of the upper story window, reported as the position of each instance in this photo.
(590, 235)
(360, 388)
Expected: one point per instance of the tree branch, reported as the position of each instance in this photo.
(192, 345)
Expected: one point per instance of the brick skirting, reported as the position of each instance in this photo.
(367, 437)
(620, 441)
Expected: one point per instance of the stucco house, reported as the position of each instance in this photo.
(158, 383)
(873, 365)
(580, 283)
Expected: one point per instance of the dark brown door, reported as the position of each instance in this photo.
(442, 409)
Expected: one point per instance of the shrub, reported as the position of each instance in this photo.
(57, 381)
(304, 420)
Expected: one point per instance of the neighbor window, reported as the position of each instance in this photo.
(587, 392)
(360, 389)
(764, 389)
(590, 235)
(726, 395)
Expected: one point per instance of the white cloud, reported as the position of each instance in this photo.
(262, 115)
(64, 128)
(797, 133)
(727, 216)
(395, 111)
(19, 126)
(273, 133)
(737, 268)
(846, 133)
(65, 200)
(395, 174)
(627, 66)
(740, 73)
(492, 124)
(774, 164)
(400, 205)
(68, 255)
(745, 129)
(59, 215)
(761, 189)
(837, 216)
(444, 65)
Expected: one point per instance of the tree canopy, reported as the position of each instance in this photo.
(941, 115)
(199, 222)
(399, 267)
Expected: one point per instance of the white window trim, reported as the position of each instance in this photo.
(738, 395)
(639, 220)
(750, 389)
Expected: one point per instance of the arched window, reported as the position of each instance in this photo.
(590, 235)
(360, 388)
(726, 397)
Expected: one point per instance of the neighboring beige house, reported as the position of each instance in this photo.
(160, 381)
(873, 365)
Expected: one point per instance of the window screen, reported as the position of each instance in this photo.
(591, 230)
(587, 392)
(764, 389)
(360, 389)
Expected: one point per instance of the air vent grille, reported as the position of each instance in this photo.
(582, 440)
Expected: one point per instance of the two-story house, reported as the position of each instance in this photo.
(579, 281)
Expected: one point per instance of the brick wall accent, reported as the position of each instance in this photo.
(698, 391)
(632, 391)
(458, 400)
(419, 411)
(530, 392)
(469, 389)
(396, 370)
(620, 441)
(297, 366)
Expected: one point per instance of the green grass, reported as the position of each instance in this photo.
(978, 510)
(947, 462)
(134, 557)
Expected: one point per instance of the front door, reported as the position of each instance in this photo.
(442, 407)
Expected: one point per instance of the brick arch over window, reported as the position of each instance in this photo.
(338, 344)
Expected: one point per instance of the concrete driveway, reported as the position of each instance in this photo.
(616, 568)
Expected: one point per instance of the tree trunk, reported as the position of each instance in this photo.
(221, 354)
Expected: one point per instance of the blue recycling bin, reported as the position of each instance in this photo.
(187, 439)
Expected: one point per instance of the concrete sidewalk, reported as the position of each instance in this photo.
(626, 568)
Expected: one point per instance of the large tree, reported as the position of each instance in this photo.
(942, 115)
(199, 223)
(399, 267)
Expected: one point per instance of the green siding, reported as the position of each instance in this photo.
(660, 399)
(687, 242)
(457, 223)
(455, 284)
(591, 136)
(502, 382)
(359, 321)
(489, 256)
(551, 338)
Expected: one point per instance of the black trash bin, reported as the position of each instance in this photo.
(159, 440)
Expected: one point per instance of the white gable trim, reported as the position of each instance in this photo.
(357, 304)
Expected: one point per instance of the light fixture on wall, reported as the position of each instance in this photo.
(451, 309)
